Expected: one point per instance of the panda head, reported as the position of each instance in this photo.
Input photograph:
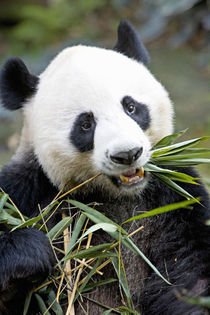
(91, 111)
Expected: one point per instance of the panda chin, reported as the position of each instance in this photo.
(132, 179)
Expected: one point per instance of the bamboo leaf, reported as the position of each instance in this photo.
(55, 306)
(3, 200)
(183, 162)
(91, 251)
(121, 278)
(168, 140)
(41, 303)
(76, 232)
(186, 154)
(96, 216)
(175, 187)
(105, 254)
(195, 300)
(128, 310)
(58, 229)
(106, 227)
(167, 208)
(7, 217)
(177, 147)
(35, 219)
(108, 311)
(27, 302)
(99, 283)
(178, 175)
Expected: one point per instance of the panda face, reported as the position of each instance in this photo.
(97, 111)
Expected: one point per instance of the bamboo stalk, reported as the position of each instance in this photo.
(68, 269)
(68, 312)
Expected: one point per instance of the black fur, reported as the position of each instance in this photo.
(129, 43)
(26, 258)
(17, 84)
(140, 114)
(27, 184)
(82, 134)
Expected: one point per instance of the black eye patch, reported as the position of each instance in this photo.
(82, 134)
(137, 111)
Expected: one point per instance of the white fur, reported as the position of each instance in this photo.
(83, 79)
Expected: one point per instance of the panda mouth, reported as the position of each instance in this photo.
(130, 178)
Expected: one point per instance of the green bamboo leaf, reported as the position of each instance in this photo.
(41, 303)
(197, 150)
(55, 306)
(175, 187)
(183, 155)
(167, 208)
(108, 311)
(91, 251)
(105, 254)
(195, 300)
(172, 174)
(183, 162)
(177, 147)
(10, 220)
(122, 278)
(27, 302)
(128, 310)
(36, 219)
(8, 216)
(106, 227)
(99, 283)
(3, 200)
(76, 232)
(96, 216)
(58, 229)
(168, 140)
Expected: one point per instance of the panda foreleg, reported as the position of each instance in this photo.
(25, 258)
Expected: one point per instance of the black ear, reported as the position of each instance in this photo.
(17, 84)
(130, 44)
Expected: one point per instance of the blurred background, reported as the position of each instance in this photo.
(176, 33)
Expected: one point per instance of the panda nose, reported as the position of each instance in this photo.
(127, 157)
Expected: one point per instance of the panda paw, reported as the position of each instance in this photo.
(25, 254)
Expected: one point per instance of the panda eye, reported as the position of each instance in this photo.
(137, 111)
(129, 105)
(83, 130)
(86, 125)
(130, 108)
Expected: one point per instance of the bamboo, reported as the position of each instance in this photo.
(68, 312)
(68, 269)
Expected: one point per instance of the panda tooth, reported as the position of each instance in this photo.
(124, 179)
(133, 179)
(140, 173)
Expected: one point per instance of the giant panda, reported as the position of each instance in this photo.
(96, 110)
